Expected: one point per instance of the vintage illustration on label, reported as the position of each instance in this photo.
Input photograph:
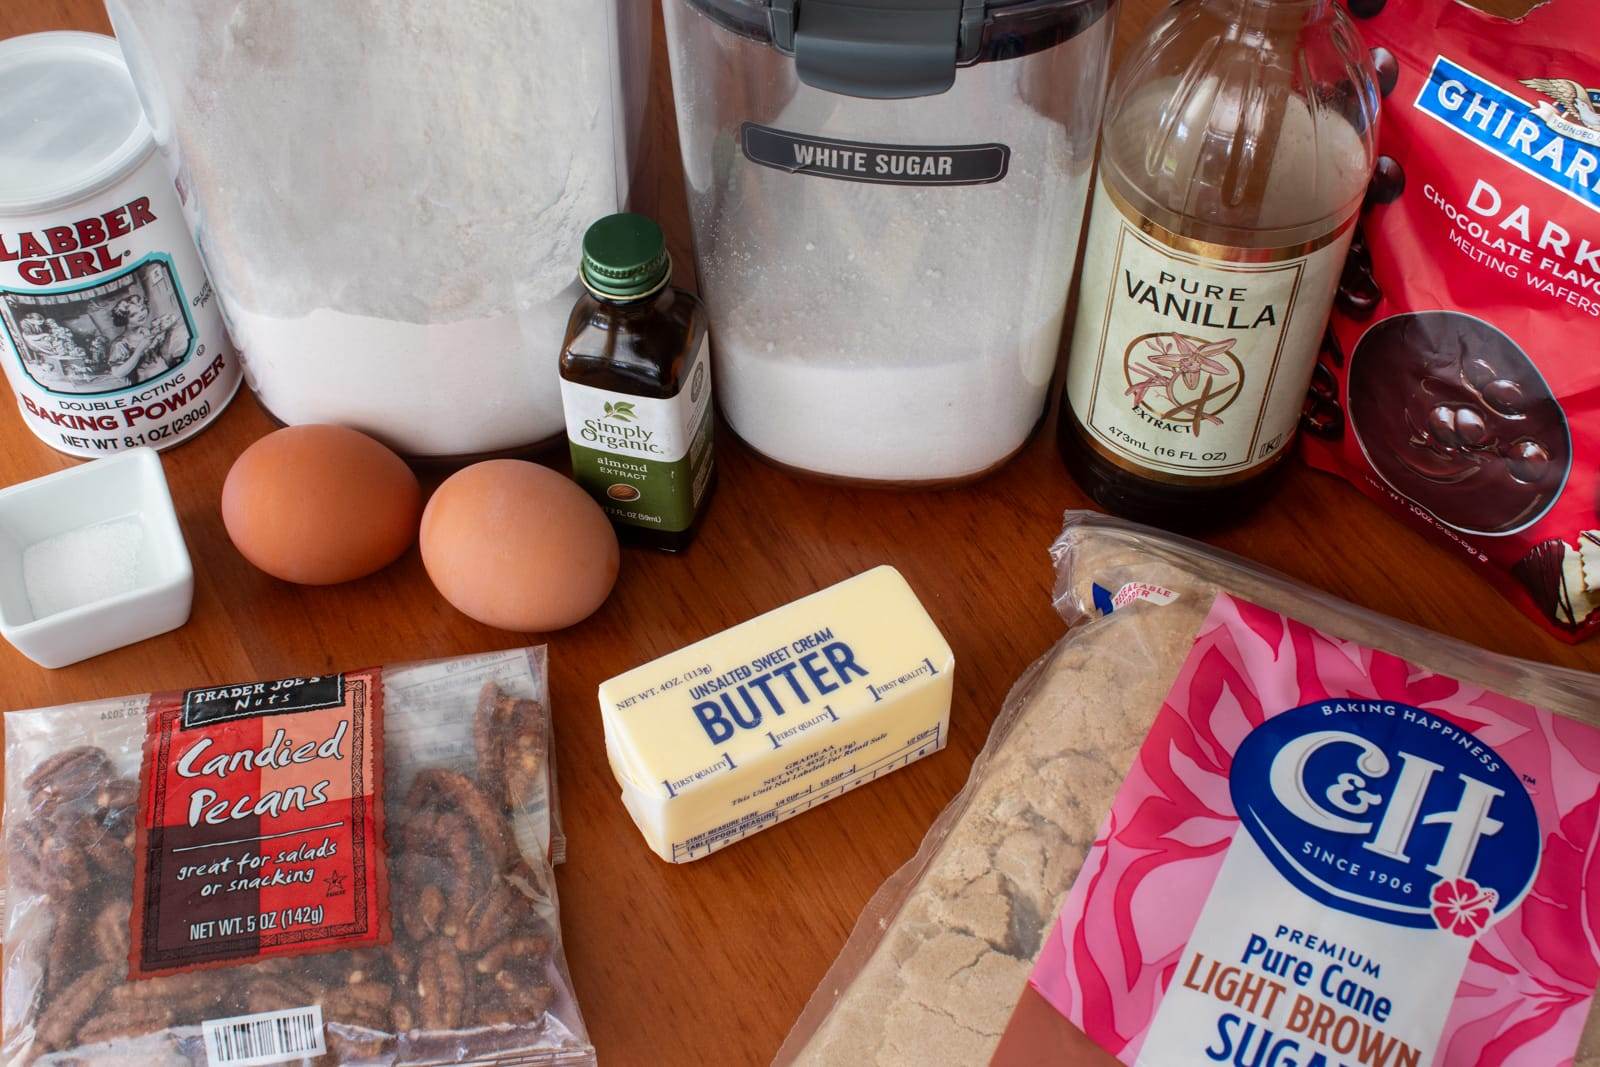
(102, 338)
(1326, 855)
(261, 829)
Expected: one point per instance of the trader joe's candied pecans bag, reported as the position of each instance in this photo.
(343, 868)
(1459, 383)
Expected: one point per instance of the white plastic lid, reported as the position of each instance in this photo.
(70, 120)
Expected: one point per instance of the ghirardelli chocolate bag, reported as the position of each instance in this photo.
(1460, 380)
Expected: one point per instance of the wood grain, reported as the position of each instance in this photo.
(712, 961)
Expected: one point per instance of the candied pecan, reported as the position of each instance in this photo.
(63, 866)
(523, 1004)
(64, 957)
(488, 921)
(73, 774)
(109, 856)
(530, 884)
(402, 960)
(526, 752)
(509, 735)
(441, 987)
(64, 1011)
(125, 1022)
(508, 953)
(23, 845)
(164, 989)
(366, 1004)
(488, 741)
(438, 788)
(110, 932)
(118, 796)
(442, 855)
(276, 992)
(424, 918)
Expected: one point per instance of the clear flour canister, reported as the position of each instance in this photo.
(109, 330)
(390, 195)
(886, 201)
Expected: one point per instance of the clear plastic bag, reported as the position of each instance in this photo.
(468, 964)
(942, 954)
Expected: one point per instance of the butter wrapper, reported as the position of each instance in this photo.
(754, 725)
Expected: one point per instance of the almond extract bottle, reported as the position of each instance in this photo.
(636, 386)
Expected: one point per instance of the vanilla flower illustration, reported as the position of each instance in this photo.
(1149, 378)
(1191, 359)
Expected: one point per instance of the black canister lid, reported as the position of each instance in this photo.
(892, 49)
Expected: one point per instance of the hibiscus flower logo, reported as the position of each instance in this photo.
(1462, 906)
(1184, 380)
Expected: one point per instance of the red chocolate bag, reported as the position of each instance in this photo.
(1459, 383)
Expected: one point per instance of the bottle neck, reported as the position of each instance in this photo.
(630, 307)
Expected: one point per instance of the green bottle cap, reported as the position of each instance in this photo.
(625, 257)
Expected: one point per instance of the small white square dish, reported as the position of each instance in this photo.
(92, 559)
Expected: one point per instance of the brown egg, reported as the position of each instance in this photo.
(517, 546)
(320, 504)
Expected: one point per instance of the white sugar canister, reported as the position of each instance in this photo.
(109, 329)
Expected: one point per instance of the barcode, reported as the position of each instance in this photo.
(265, 1037)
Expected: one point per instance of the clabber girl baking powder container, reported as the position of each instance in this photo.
(109, 331)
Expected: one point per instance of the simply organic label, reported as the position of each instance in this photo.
(1325, 856)
(262, 823)
(646, 460)
(1191, 359)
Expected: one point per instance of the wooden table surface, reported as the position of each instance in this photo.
(713, 961)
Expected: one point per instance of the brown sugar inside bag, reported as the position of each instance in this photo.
(964, 949)
(345, 868)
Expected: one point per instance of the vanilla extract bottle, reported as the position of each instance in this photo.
(1238, 142)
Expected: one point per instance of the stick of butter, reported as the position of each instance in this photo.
(777, 715)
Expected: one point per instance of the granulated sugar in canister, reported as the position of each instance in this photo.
(892, 332)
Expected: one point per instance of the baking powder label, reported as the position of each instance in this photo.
(1191, 359)
(261, 823)
(109, 329)
(1327, 856)
(646, 460)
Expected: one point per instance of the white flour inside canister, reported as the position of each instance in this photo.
(390, 196)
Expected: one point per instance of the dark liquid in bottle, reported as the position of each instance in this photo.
(1191, 507)
(642, 348)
